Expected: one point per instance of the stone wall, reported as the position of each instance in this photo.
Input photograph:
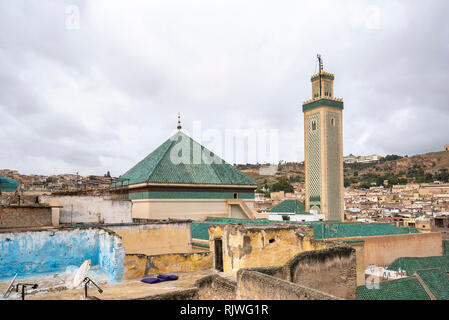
(91, 209)
(330, 270)
(53, 250)
(253, 285)
(140, 265)
(25, 216)
(157, 237)
(248, 246)
(382, 250)
(214, 287)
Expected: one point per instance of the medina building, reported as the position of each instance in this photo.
(323, 145)
(293, 210)
(181, 179)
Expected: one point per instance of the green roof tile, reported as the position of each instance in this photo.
(401, 289)
(412, 264)
(290, 206)
(437, 282)
(190, 168)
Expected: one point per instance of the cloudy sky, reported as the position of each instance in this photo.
(92, 86)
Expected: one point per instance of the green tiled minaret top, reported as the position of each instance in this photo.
(182, 160)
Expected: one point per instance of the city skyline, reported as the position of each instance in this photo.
(87, 87)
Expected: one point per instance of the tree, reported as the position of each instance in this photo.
(282, 185)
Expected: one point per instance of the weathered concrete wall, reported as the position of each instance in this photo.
(53, 250)
(382, 250)
(155, 238)
(25, 216)
(257, 246)
(330, 270)
(139, 265)
(253, 285)
(214, 287)
(195, 209)
(91, 209)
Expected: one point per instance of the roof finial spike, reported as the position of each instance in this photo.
(320, 61)
(179, 121)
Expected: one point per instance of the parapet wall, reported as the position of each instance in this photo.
(253, 285)
(25, 216)
(140, 265)
(382, 250)
(158, 237)
(53, 250)
(91, 209)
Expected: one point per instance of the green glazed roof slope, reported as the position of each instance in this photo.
(290, 206)
(402, 289)
(344, 230)
(321, 230)
(8, 185)
(412, 264)
(437, 282)
(446, 247)
(168, 164)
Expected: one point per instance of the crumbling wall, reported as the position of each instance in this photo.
(139, 265)
(214, 287)
(331, 270)
(249, 246)
(53, 250)
(91, 209)
(25, 216)
(155, 238)
(253, 285)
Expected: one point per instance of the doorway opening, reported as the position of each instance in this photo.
(218, 250)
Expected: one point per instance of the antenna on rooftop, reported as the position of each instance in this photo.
(179, 122)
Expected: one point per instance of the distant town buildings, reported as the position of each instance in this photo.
(361, 159)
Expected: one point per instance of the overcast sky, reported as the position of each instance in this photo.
(94, 86)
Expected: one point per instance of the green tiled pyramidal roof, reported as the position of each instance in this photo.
(401, 289)
(437, 282)
(290, 206)
(412, 264)
(180, 159)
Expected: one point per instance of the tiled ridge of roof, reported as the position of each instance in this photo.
(290, 206)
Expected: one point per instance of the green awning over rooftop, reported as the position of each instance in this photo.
(8, 185)
(182, 160)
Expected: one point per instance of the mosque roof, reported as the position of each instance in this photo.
(290, 206)
(181, 160)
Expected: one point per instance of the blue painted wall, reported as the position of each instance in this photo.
(53, 251)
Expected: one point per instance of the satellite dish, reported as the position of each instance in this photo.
(10, 286)
(81, 273)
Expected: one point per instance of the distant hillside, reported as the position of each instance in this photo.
(396, 169)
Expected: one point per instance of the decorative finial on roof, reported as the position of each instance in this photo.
(320, 61)
(179, 122)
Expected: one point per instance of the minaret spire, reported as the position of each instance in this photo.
(179, 122)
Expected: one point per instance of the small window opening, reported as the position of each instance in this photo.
(271, 240)
(313, 125)
(235, 195)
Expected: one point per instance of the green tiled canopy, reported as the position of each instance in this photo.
(8, 185)
(290, 206)
(197, 166)
(412, 264)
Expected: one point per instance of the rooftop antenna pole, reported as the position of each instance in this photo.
(320, 62)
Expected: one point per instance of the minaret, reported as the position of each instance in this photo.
(323, 145)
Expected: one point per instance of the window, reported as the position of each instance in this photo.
(313, 125)
(332, 121)
(327, 89)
